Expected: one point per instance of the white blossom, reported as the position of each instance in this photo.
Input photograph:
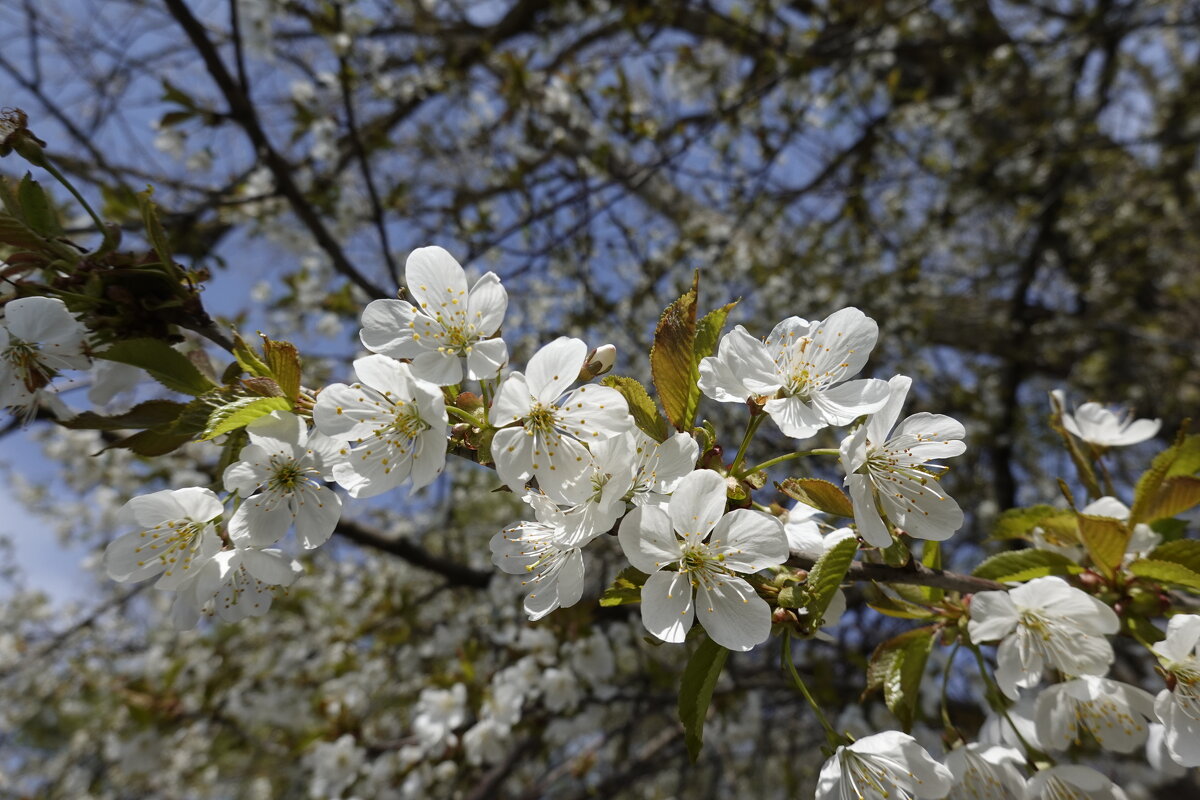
(1045, 622)
(234, 584)
(1098, 425)
(660, 466)
(1178, 708)
(546, 553)
(335, 767)
(447, 324)
(805, 539)
(889, 469)
(439, 712)
(881, 766)
(38, 338)
(596, 501)
(802, 369)
(487, 741)
(1072, 782)
(695, 545)
(288, 465)
(1116, 714)
(393, 427)
(986, 772)
(546, 441)
(174, 536)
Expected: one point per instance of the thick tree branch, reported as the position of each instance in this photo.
(457, 574)
(915, 574)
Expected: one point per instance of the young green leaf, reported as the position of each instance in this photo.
(1182, 551)
(1018, 523)
(818, 494)
(1167, 572)
(696, 689)
(1025, 565)
(1105, 539)
(283, 359)
(38, 210)
(645, 413)
(897, 667)
(827, 575)
(241, 412)
(672, 356)
(1181, 458)
(626, 588)
(154, 229)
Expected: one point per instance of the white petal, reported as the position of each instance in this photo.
(1012, 673)
(647, 539)
(1181, 733)
(733, 614)
(882, 421)
(40, 319)
(794, 417)
(554, 368)
(387, 329)
(271, 567)
(1137, 431)
(667, 610)
(513, 401)
(512, 450)
(317, 513)
(866, 516)
(486, 358)
(430, 458)
(486, 304)
(279, 426)
(843, 343)
(993, 616)
(385, 375)
(698, 503)
(189, 561)
(742, 368)
(440, 368)
(261, 520)
(244, 477)
(842, 404)
(436, 282)
(750, 540)
(148, 510)
(591, 413)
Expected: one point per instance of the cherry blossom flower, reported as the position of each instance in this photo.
(694, 545)
(546, 441)
(234, 584)
(38, 338)
(802, 369)
(1116, 714)
(660, 466)
(1098, 425)
(541, 551)
(1070, 781)
(288, 465)
(887, 467)
(447, 324)
(1044, 622)
(439, 712)
(987, 772)
(881, 766)
(597, 501)
(174, 536)
(1178, 708)
(393, 426)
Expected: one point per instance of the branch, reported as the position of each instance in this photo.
(457, 574)
(914, 574)
(241, 110)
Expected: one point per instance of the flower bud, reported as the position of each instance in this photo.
(599, 361)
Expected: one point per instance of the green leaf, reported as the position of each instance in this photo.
(1167, 572)
(1181, 458)
(626, 588)
(696, 689)
(645, 412)
(1025, 565)
(162, 362)
(38, 210)
(1170, 529)
(1176, 494)
(1018, 523)
(672, 356)
(889, 602)
(1105, 539)
(283, 359)
(897, 667)
(240, 413)
(1182, 551)
(15, 233)
(818, 494)
(154, 229)
(248, 360)
(150, 414)
(152, 443)
(931, 556)
(827, 575)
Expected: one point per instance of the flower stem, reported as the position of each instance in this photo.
(465, 416)
(831, 736)
(48, 165)
(829, 451)
(1031, 753)
(741, 453)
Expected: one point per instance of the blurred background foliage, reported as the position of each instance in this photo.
(1009, 188)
